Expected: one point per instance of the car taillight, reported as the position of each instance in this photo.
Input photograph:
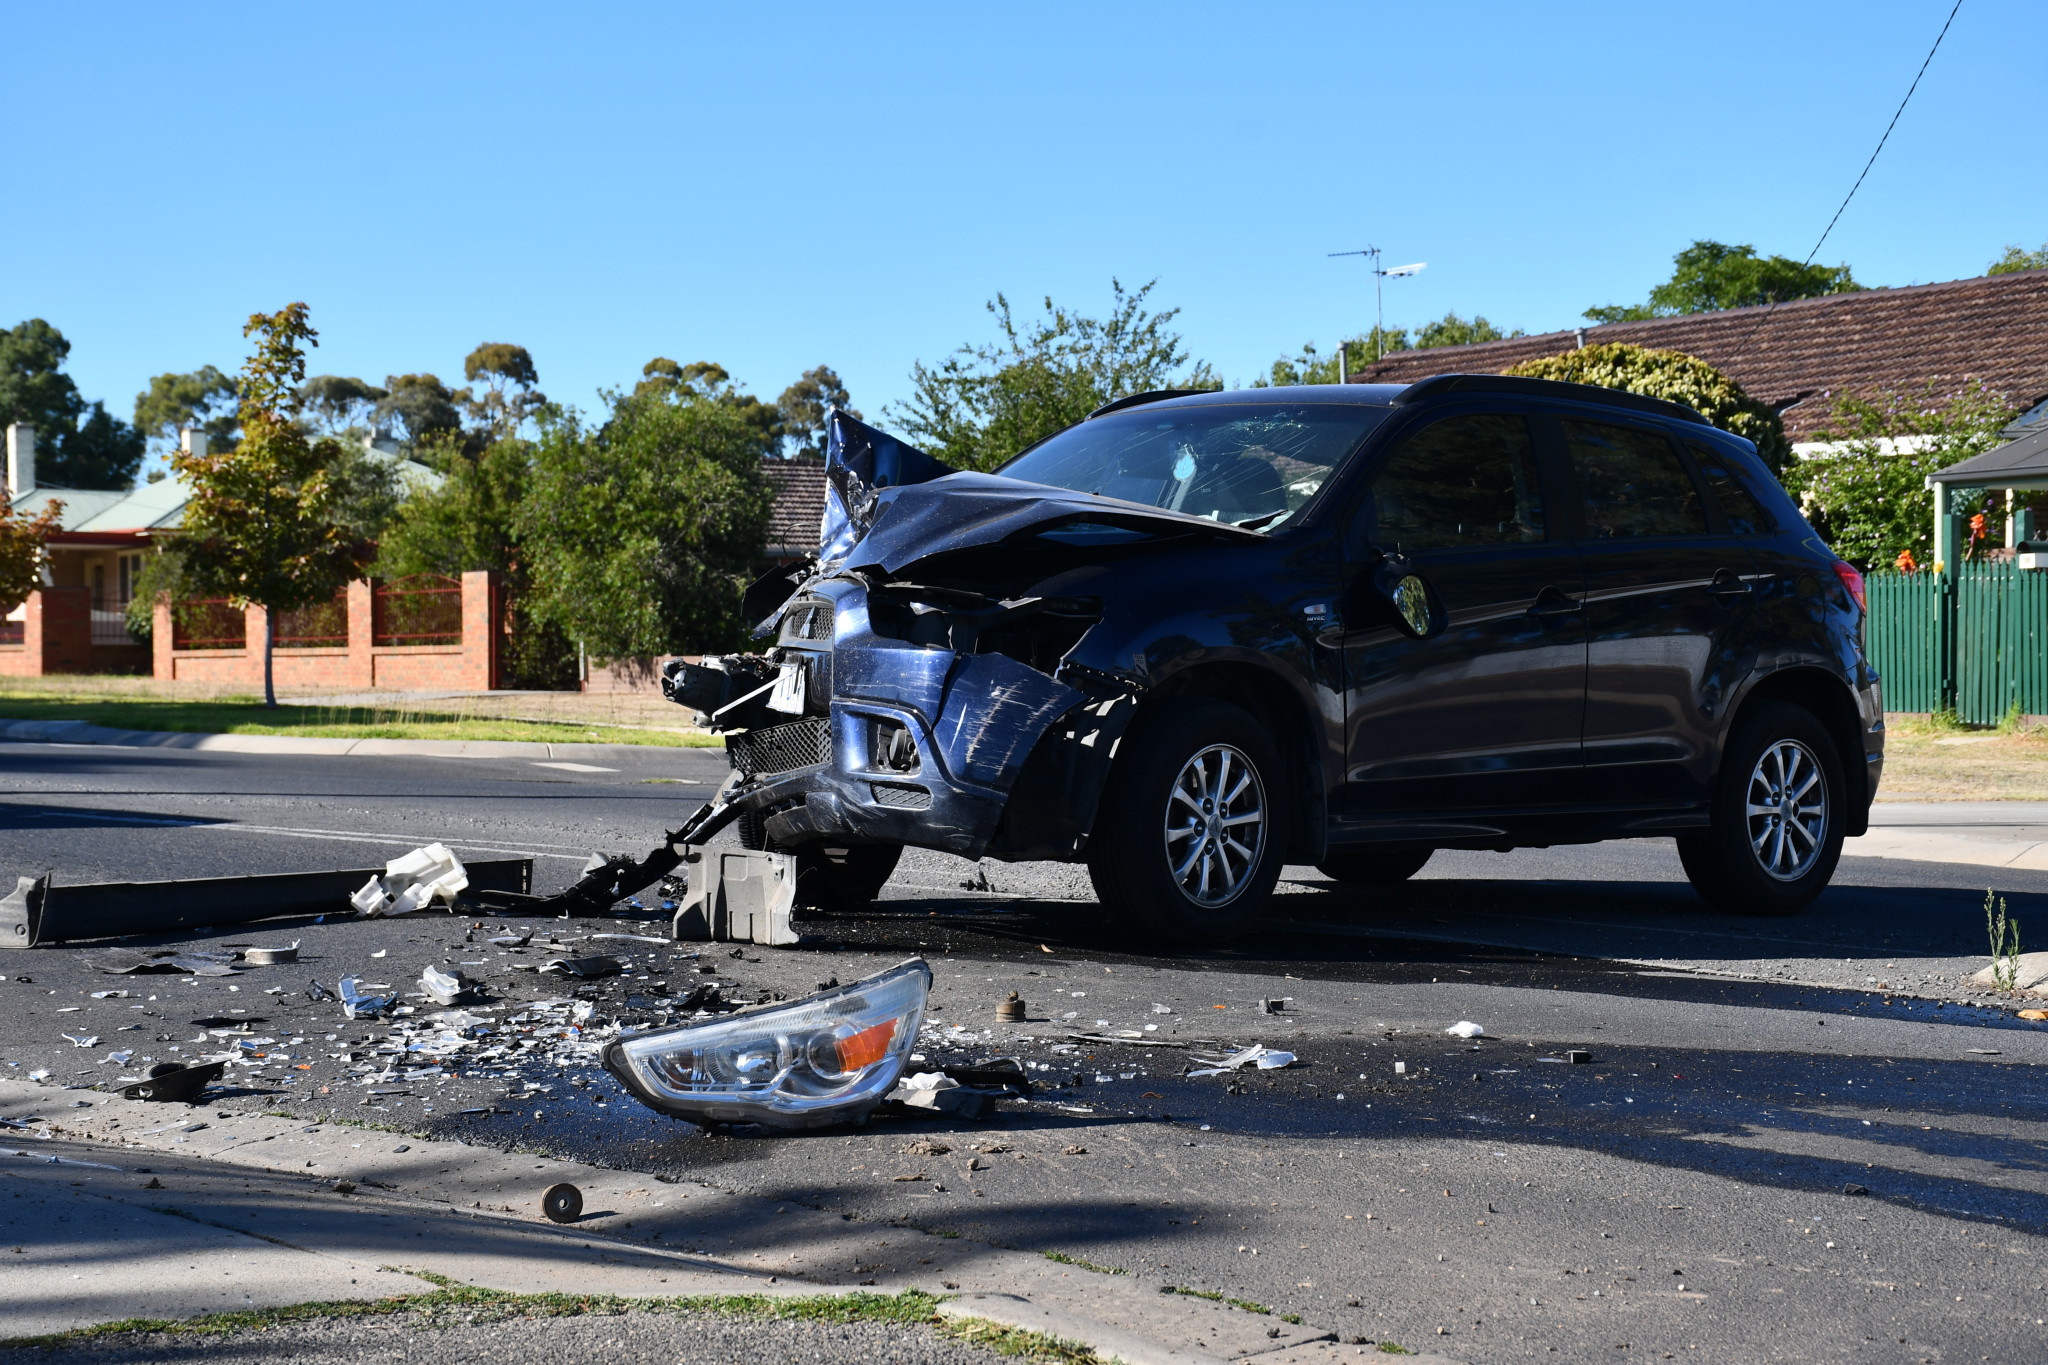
(1853, 581)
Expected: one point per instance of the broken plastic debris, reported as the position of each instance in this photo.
(270, 957)
(1577, 1056)
(1400, 1068)
(445, 988)
(356, 1003)
(1010, 1011)
(584, 966)
(413, 881)
(1162, 1009)
(170, 1082)
(513, 940)
(1258, 1054)
(41, 1073)
(123, 961)
(87, 1041)
(1465, 1028)
(120, 1058)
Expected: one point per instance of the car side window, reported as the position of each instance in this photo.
(1746, 516)
(1632, 483)
(1468, 480)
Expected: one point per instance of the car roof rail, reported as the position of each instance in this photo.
(1132, 400)
(1437, 385)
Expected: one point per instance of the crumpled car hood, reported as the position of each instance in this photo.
(888, 505)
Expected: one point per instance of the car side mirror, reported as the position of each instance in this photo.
(1408, 597)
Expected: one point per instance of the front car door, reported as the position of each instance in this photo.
(1669, 588)
(1485, 716)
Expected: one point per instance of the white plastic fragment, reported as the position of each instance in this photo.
(356, 1003)
(41, 1073)
(370, 900)
(921, 1091)
(1258, 1054)
(1162, 1009)
(444, 988)
(413, 881)
(1465, 1028)
(1400, 1068)
(87, 1041)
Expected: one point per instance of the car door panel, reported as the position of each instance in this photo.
(1488, 714)
(1669, 614)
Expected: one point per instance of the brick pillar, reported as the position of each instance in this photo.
(58, 633)
(360, 668)
(479, 668)
(162, 641)
(255, 620)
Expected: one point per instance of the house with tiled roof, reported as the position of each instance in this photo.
(799, 508)
(1798, 357)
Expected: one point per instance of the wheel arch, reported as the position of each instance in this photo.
(1269, 697)
(1829, 700)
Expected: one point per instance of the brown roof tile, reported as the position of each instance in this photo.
(799, 505)
(1795, 356)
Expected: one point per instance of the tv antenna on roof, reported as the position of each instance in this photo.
(1379, 331)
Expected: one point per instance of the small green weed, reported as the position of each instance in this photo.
(2005, 944)
(1078, 1263)
(1395, 1348)
(1945, 720)
(2014, 721)
(1209, 1294)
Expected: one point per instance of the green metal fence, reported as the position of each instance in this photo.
(1976, 639)
(1910, 636)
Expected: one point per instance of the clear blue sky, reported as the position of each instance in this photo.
(773, 187)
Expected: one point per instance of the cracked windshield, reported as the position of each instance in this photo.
(1251, 465)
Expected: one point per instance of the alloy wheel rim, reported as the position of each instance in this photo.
(1215, 826)
(1787, 807)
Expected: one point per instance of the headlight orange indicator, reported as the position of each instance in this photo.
(867, 1047)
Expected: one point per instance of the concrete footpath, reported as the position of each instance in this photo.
(120, 1209)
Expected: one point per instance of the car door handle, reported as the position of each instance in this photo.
(1553, 602)
(1729, 584)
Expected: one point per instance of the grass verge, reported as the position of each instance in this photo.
(451, 1302)
(234, 715)
(1079, 1264)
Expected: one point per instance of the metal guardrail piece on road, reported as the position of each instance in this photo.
(41, 911)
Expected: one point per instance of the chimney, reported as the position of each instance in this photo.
(192, 441)
(1580, 333)
(21, 460)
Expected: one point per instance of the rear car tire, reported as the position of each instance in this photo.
(1779, 808)
(1373, 866)
(1193, 824)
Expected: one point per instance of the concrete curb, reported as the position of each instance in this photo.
(83, 732)
(469, 1213)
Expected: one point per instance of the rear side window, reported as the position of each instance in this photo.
(1746, 516)
(1463, 481)
(1632, 484)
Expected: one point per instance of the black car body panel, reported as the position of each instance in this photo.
(972, 647)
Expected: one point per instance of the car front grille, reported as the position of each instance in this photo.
(781, 748)
(808, 621)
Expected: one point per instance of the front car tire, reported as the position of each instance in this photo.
(1193, 823)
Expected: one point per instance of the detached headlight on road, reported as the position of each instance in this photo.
(829, 1058)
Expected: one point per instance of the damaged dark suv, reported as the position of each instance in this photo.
(1202, 635)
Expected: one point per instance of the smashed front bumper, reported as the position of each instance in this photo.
(905, 744)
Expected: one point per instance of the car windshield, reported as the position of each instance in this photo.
(1249, 464)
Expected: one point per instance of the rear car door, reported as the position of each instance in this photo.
(1669, 593)
(1486, 715)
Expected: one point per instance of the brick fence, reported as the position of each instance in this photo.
(468, 666)
(55, 636)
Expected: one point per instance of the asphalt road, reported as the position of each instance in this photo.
(1683, 1193)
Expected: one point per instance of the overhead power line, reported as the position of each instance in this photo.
(1866, 169)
